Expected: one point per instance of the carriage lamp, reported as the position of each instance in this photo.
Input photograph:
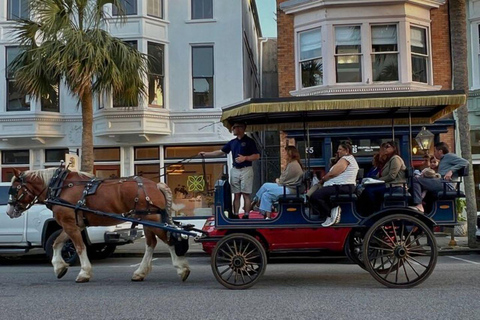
(425, 139)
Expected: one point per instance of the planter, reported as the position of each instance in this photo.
(461, 229)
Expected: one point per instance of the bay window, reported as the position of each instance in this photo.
(155, 8)
(18, 9)
(155, 75)
(348, 54)
(419, 52)
(311, 63)
(16, 100)
(127, 7)
(384, 53)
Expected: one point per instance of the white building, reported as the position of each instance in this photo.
(207, 57)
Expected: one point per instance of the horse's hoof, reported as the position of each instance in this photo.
(62, 273)
(137, 278)
(82, 280)
(185, 275)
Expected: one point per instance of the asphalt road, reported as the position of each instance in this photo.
(302, 289)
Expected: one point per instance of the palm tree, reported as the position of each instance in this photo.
(65, 42)
(458, 38)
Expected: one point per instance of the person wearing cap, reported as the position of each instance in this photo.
(448, 169)
(244, 152)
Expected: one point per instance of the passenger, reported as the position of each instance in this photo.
(291, 177)
(343, 174)
(244, 151)
(449, 165)
(377, 165)
(392, 173)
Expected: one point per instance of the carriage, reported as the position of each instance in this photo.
(396, 244)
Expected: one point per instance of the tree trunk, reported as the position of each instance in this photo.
(87, 131)
(458, 38)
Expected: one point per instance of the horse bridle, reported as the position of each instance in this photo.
(14, 199)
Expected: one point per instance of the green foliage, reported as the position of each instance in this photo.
(461, 204)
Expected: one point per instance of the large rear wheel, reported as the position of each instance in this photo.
(238, 261)
(400, 251)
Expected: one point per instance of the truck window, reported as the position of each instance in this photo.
(4, 195)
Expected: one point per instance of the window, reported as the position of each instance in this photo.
(19, 159)
(16, 101)
(202, 65)
(127, 7)
(55, 155)
(117, 102)
(107, 162)
(202, 9)
(418, 40)
(192, 183)
(155, 8)
(348, 54)
(311, 64)
(147, 162)
(18, 9)
(384, 53)
(155, 75)
(51, 101)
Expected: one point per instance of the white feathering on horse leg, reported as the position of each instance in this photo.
(180, 263)
(145, 266)
(86, 268)
(60, 267)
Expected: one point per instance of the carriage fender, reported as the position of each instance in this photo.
(369, 221)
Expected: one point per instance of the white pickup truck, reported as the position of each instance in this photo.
(37, 229)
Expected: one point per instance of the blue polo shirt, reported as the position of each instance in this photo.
(245, 146)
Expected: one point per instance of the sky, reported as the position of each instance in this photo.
(266, 12)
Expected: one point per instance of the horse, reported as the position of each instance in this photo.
(117, 196)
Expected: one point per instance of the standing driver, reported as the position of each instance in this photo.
(244, 151)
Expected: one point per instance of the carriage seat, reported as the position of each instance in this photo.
(344, 197)
(299, 195)
(398, 197)
(447, 193)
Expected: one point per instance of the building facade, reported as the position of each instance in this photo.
(344, 47)
(205, 54)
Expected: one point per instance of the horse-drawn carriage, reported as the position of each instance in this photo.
(395, 244)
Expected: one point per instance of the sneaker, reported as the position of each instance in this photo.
(267, 218)
(335, 213)
(234, 216)
(328, 222)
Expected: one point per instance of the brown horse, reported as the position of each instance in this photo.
(127, 196)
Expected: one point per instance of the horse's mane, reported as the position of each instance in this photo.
(47, 174)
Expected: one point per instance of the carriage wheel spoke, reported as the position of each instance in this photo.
(395, 233)
(375, 237)
(388, 236)
(405, 270)
(416, 261)
(382, 249)
(246, 248)
(226, 253)
(406, 260)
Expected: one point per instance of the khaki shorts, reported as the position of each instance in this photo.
(241, 180)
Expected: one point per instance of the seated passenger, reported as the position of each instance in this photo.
(449, 165)
(343, 174)
(392, 173)
(291, 177)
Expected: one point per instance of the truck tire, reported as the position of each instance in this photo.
(69, 254)
(100, 251)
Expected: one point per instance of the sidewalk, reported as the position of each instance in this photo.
(138, 248)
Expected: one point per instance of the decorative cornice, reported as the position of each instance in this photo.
(325, 90)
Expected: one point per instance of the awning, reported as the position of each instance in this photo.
(344, 110)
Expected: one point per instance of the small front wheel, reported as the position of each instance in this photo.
(400, 251)
(238, 261)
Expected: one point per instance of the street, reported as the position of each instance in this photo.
(305, 289)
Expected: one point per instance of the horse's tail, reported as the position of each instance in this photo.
(167, 192)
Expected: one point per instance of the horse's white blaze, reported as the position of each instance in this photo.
(10, 211)
(86, 266)
(146, 264)
(180, 263)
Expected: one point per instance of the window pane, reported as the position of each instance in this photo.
(155, 8)
(106, 154)
(16, 101)
(51, 102)
(155, 57)
(7, 173)
(155, 91)
(147, 153)
(310, 44)
(12, 53)
(347, 38)
(203, 92)
(107, 172)
(129, 7)
(149, 171)
(187, 152)
(192, 191)
(202, 61)
(202, 9)
(18, 9)
(312, 73)
(385, 67)
(55, 155)
(349, 69)
(16, 157)
(418, 40)
(419, 69)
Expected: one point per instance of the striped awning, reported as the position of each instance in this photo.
(344, 110)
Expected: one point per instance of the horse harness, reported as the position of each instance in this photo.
(13, 192)
(56, 186)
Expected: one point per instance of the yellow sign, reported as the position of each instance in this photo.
(195, 183)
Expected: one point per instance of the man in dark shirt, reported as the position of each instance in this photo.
(244, 151)
(449, 165)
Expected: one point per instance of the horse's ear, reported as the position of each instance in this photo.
(16, 172)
